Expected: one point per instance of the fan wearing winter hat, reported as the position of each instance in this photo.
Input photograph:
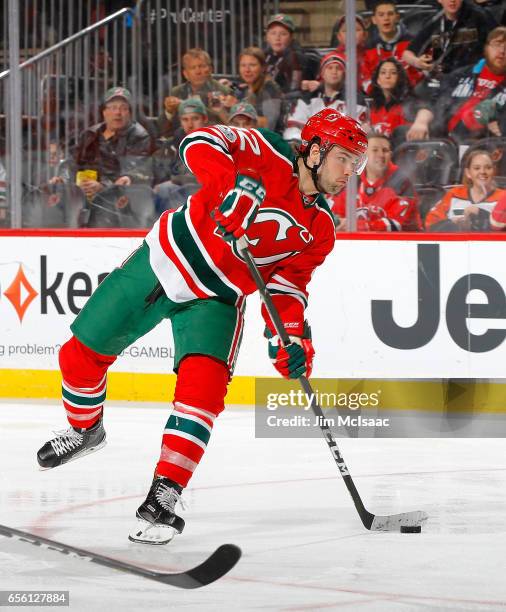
(330, 93)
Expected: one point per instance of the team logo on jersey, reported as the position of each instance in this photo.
(229, 134)
(274, 236)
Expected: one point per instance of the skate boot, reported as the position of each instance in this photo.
(157, 521)
(70, 444)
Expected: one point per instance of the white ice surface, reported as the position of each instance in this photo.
(281, 501)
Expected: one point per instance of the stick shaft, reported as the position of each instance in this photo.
(366, 517)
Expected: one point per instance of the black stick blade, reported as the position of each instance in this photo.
(213, 568)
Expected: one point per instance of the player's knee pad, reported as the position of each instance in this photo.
(81, 366)
(202, 382)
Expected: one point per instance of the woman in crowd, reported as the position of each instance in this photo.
(467, 207)
(392, 106)
(258, 89)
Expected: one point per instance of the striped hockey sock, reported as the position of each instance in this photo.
(184, 441)
(84, 405)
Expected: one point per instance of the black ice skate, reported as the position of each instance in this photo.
(71, 444)
(157, 521)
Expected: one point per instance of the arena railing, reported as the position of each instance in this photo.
(60, 94)
(167, 28)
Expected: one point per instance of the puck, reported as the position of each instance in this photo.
(411, 529)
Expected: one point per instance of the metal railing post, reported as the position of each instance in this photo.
(14, 117)
(351, 104)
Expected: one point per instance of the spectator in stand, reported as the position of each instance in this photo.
(110, 155)
(338, 41)
(472, 100)
(453, 38)
(386, 199)
(178, 183)
(389, 39)
(258, 89)
(330, 93)
(392, 107)
(338, 38)
(197, 70)
(283, 54)
(243, 115)
(467, 207)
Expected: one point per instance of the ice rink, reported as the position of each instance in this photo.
(281, 501)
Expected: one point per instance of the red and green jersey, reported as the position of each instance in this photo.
(291, 235)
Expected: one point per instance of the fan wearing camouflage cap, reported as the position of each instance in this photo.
(178, 182)
(243, 115)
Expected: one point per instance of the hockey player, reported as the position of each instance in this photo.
(190, 271)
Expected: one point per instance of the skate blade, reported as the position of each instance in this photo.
(148, 533)
(83, 453)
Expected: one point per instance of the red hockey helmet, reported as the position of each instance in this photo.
(328, 127)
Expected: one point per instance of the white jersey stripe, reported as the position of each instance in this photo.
(218, 148)
(171, 279)
(191, 417)
(268, 144)
(80, 406)
(283, 280)
(85, 391)
(172, 456)
(221, 275)
(285, 289)
(201, 411)
(83, 417)
(186, 436)
(184, 262)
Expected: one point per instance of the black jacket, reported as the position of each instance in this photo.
(458, 44)
(125, 154)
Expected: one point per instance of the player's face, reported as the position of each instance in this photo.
(196, 71)
(192, 121)
(388, 76)
(495, 54)
(333, 75)
(278, 38)
(250, 69)
(379, 155)
(385, 18)
(481, 171)
(451, 7)
(360, 35)
(117, 115)
(336, 169)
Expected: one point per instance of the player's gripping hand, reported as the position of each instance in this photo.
(240, 206)
(295, 359)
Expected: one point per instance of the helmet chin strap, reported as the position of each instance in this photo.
(314, 169)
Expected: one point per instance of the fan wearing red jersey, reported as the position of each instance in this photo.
(386, 199)
(190, 271)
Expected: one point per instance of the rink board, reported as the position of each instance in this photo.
(407, 307)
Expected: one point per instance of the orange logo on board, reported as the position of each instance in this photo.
(20, 293)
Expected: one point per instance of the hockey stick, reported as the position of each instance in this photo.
(373, 522)
(217, 565)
